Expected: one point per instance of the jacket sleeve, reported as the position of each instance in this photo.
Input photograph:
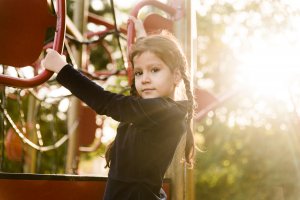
(119, 107)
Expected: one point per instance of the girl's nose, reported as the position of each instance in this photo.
(145, 78)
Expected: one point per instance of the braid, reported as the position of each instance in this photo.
(108, 153)
(190, 144)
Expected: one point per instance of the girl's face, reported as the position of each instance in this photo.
(153, 78)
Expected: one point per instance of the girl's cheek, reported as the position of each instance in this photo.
(137, 79)
(136, 82)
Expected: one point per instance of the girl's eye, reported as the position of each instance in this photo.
(138, 73)
(155, 69)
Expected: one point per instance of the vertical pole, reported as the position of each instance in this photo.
(176, 174)
(186, 31)
(80, 21)
(176, 170)
(2, 126)
(191, 49)
(30, 161)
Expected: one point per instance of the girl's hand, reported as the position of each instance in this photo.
(139, 27)
(54, 61)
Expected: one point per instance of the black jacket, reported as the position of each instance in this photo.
(147, 136)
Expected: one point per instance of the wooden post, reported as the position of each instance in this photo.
(183, 187)
(80, 21)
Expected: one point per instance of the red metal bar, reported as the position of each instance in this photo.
(98, 33)
(58, 46)
(215, 104)
(99, 20)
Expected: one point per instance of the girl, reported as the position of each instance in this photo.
(152, 121)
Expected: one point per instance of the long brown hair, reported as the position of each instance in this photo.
(166, 47)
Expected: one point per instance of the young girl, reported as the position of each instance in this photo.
(152, 121)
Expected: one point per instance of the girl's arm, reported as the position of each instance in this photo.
(121, 108)
(139, 27)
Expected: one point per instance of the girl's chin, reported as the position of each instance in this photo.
(149, 96)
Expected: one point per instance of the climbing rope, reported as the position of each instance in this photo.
(31, 144)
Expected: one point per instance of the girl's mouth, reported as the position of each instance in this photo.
(148, 90)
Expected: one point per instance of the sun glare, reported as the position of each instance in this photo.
(271, 67)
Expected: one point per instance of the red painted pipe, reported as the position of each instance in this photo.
(99, 20)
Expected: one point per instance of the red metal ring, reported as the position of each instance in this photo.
(58, 46)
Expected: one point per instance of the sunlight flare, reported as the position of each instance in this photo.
(271, 67)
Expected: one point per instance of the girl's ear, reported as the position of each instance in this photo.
(177, 76)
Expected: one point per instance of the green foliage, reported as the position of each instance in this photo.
(248, 162)
(51, 128)
(225, 30)
(251, 142)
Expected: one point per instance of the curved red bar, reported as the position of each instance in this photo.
(130, 26)
(58, 46)
(157, 4)
(99, 20)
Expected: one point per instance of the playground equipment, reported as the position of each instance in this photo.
(15, 186)
(23, 30)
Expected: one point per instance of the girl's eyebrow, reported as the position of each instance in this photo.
(148, 65)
